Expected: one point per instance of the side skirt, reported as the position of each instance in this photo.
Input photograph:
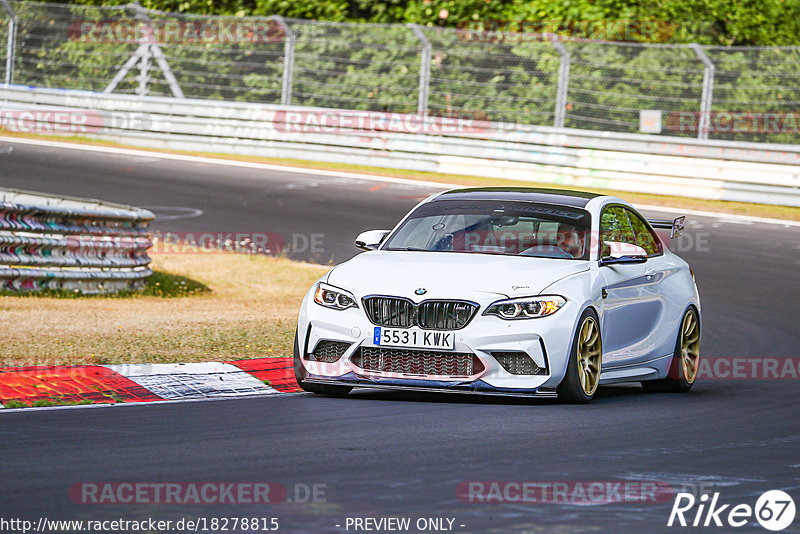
(650, 370)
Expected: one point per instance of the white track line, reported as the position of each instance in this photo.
(718, 215)
(345, 174)
(226, 162)
(149, 403)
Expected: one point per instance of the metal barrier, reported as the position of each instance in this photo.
(709, 169)
(73, 244)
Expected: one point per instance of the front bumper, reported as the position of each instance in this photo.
(547, 341)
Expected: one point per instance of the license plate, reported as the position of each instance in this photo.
(413, 337)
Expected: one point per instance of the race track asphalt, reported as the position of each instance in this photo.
(400, 454)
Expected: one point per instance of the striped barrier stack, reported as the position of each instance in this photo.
(72, 244)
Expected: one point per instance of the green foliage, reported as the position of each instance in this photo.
(724, 22)
(356, 67)
(730, 22)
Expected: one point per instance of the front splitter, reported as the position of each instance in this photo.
(478, 387)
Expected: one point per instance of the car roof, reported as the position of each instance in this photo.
(564, 197)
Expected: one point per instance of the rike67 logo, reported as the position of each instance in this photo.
(774, 510)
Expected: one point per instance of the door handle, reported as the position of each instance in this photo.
(649, 274)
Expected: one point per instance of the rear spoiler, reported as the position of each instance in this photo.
(675, 226)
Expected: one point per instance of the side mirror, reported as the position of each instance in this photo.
(615, 253)
(371, 239)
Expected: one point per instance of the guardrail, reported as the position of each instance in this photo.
(73, 244)
(723, 170)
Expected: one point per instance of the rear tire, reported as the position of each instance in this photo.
(685, 360)
(585, 362)
(321, 389)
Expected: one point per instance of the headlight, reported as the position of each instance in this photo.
(333, 297)
(526, 307)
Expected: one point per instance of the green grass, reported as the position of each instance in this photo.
(168, 285)
(194, 310)
(44, 403)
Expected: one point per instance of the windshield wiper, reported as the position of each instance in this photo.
(411, 249)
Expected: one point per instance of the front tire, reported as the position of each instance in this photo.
(685, 360)
(321, 389)
(585, 362)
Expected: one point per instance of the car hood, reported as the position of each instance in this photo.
(449, 275)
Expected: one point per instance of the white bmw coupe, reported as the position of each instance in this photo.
(505, 291)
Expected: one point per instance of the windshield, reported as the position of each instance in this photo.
(495, 227)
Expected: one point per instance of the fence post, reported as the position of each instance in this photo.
(12, 31)
(708, 91)
(563, 82)
(144, 72)
(148, 49)
(288, 60)
(424, 69)
(155, 51)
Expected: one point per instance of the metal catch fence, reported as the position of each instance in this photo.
(686, 90)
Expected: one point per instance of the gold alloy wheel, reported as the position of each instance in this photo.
(690, 346)
(589, 355)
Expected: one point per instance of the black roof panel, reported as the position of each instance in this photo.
(565, 197)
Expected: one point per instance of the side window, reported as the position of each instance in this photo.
(645, 237)
(614, 226)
